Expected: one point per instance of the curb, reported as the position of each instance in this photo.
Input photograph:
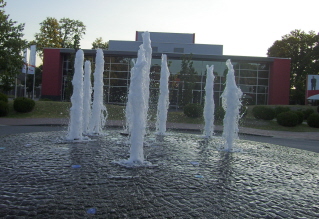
(170, 126)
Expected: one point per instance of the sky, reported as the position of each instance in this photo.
(244, 28)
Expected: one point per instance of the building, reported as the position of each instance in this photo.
(168, 43)
(263, 80)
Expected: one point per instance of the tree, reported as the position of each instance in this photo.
(11, 45)
(187, 78)
(303, 50)
(99, 44)
(65, 33)
(49, 35)
(76, 43)
(70, 31)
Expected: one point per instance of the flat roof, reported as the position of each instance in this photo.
(175, 55)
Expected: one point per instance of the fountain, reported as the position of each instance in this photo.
(137, 99)
(147, 53)
(231, 104)
(87, 99)
(137, 105)
(50, 180)
(146, 71)
(209, 107)
(163, 100)
(75, 128)
(47, 179)
(99, 112)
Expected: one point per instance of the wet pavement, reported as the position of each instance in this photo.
(42, 177)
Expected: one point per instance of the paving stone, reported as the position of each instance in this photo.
(38, 181)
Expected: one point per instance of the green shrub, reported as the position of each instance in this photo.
(45, 99)
(307, 112)
(193, 110)
(313, 120)
(289, 119)
(318, 109)
(263, 112)
(300, 116)
(219, 113)
(4, 108)
(281, 109)
(23, 105)
(243, 111)
(3, 97)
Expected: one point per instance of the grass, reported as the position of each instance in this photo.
(54, 109)
(43, 109)
(273, 125)
(179, 117)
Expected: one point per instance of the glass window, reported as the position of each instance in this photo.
(119, 74)
(217, 98)
(90, 58)
(252, 66)
(118, 67)
(262, 99)
(117, 94)
(107, 59)
(220, 68)
(199, 68)
(154, 84)
(248, 81)
(157, 62)
(249, 99)
(173, 96)
(248, 73)
(179, 50)
(236, 66)
(262, 89)
(263, 74)
(106, 82)
(118, 59)
(246, 88)
(154, 49)
(217, 87)
(155, 76)
(118, 82)
(155, 68)
(263, 66)
(198, 96)
(199, 86)
(251, 77)
(175, 66)
(263, 82)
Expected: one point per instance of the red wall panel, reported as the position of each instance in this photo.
(279, 82)
(52, 72)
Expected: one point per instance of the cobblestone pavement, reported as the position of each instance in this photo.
(42, 177)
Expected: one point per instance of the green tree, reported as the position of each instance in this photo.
(49, 35)
(99, 44)
(71, 31)
(303, 50)
(187, 77)
(65, 33)
(76, 43)
(11, 45)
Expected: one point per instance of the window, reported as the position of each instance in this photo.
(179, 50)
